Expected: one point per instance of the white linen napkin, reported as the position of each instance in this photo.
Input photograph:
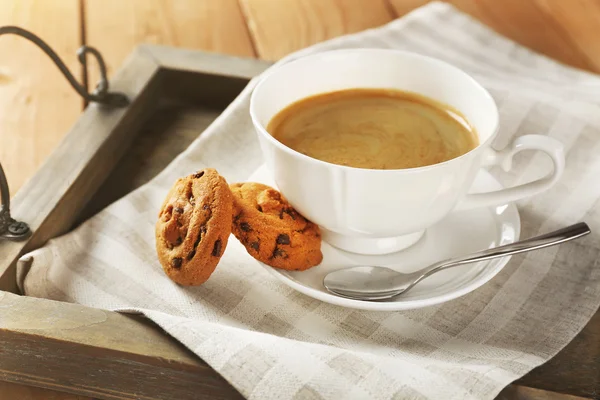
(270, 342)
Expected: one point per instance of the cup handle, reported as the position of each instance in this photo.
(503, 158)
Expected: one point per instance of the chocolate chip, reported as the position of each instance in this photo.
(176, 262)
(255, 245)
(283, 239)
(191, 254)
(245, 227)
(179, 210)
(279, 253)
(291, 213)
(259, 208)
(217, 248)
(199, 174)
(198, 239)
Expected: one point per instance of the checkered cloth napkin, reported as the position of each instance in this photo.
(270, 342)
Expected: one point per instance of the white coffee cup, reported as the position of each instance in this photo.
(373, 211)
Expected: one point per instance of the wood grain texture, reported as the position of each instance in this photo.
(168, 132)
(281, 27)
(514, 392)
(578, 21)
(564, 30)
(51, 201)
(12, 391)
(75, 348)
(38, 105)
(575, 369)
(199, 62)
(103, 354)
(115, 27)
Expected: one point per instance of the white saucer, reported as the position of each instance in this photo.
(458, 234)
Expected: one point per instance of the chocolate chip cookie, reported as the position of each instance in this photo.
(272, 230)
(193, 227)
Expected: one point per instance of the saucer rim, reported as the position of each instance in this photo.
(491, 270)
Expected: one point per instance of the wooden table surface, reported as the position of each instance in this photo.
(39, 106)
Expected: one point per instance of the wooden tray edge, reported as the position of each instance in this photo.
(50, 201)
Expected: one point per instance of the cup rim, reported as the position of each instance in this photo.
(263, 130)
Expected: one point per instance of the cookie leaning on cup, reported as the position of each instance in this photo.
(193, 227)
(272, 230)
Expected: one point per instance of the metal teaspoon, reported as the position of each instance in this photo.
(380, 283)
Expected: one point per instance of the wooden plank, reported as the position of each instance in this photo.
(109, 355)
(51, 200)
(564, 30)
(115, 27)
(575, 369)
(11, 391)
(213, 80)
(38, 105)
(402, 7)
(515, 392)
(171, 128)
(194, 61)
(72, 348)
(578, 22)
(281, 27)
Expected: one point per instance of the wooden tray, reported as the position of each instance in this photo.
(68, 347)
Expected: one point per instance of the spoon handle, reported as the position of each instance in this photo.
(538, 242)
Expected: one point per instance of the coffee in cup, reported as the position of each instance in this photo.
(374, 129)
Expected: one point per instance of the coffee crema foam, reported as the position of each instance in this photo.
(374, 129)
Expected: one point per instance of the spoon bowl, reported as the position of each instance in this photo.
(376, 283)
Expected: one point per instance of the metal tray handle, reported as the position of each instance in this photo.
(18, 230)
